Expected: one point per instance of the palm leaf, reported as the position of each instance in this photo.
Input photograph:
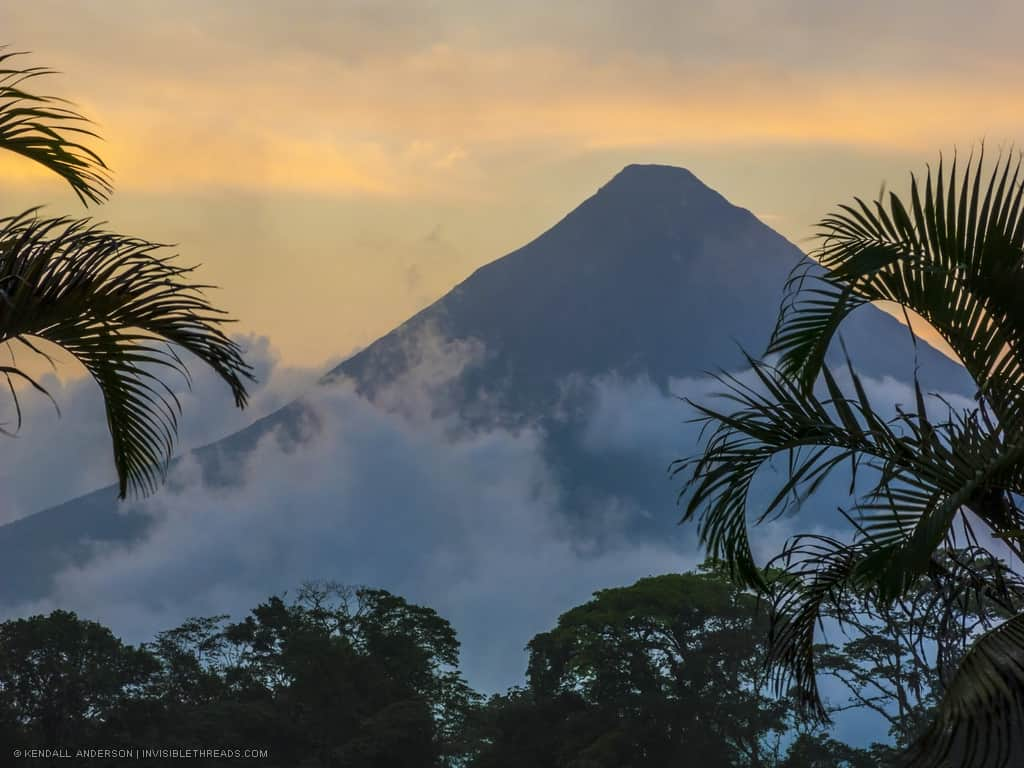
(980, 722)
(927, 473)
(47, 130)
(815, 435)
(120, 309)
(815, 571)
(953, 255)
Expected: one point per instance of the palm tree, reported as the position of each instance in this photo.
(116, 303)
(954, 256)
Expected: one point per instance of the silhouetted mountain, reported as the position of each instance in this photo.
(656, 275)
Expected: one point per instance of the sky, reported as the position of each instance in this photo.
(336, 166)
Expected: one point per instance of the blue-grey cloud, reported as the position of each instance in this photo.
(398, 494)
(58, 457)
(465, 521)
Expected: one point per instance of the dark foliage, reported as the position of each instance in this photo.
(953, 255)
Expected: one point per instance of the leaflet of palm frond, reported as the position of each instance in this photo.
(972, 581)
(980, 721)
(927, 473)
(958, 466)
(47, 130)
(816, 435)
(814, 569)
(120, 309)
(816, 577)
(782, 420)
(954, 258)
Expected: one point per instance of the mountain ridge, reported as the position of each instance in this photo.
(655, 275)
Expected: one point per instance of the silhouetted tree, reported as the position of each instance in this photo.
(664, 672)
(115, 303)
(954, 256)
(64, 680)
(340, 676)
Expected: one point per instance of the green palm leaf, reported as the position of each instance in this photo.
(815, 435)
(111, 301)
(926, 475)
(953, 255)
(115, 304)
(978, 722)
(47, 130)
(983, 701)
(815, 569)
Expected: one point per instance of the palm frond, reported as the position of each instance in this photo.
(815, 571)
(121, 310)
(924, 474)
(980, 721)
(781, 420)
(815, 435)
(953, 254)
(47, 130)
(968, 589)
(807, 321)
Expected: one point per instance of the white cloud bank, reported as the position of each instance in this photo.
(56, 458)
(383, 495)
(395, 494)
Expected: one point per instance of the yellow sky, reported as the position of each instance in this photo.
(336, 166)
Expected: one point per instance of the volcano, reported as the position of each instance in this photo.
(655, 277)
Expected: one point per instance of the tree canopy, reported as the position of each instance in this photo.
(665, 671)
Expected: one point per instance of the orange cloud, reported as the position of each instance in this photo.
(411, 124)
(227, 123)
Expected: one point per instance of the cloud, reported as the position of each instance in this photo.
(392, 494)
(57, 458)
(405, 99)
(305, 127)
(396, 493)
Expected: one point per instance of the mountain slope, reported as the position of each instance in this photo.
(655, 276)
